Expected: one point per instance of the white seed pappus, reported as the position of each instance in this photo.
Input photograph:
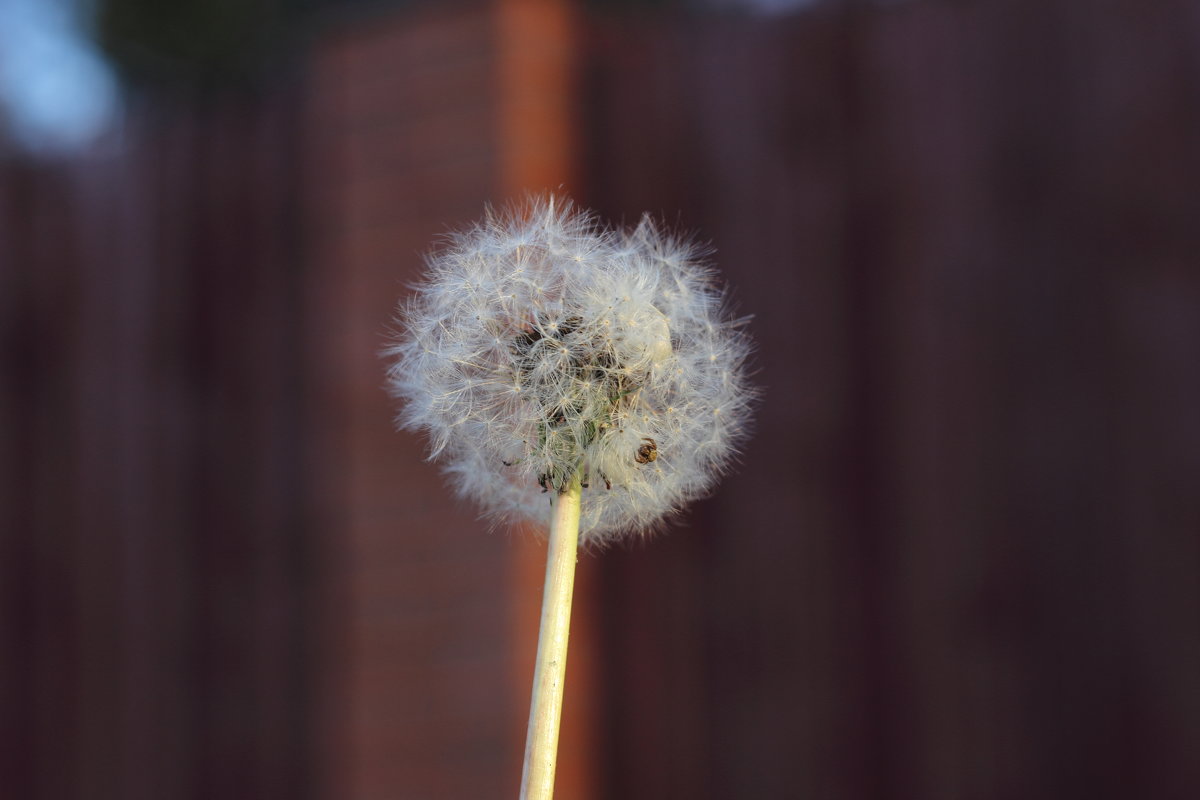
(540, 343)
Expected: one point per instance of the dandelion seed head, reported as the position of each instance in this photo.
(540, 343)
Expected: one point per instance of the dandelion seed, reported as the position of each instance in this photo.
(542, 346)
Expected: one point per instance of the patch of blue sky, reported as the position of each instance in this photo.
(57, 93)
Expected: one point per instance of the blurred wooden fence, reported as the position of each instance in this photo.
(961, 558)
(153, 562)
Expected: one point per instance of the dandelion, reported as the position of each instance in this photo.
(541, 345)
(547, 356)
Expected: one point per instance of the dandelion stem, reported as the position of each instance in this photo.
(545, 709)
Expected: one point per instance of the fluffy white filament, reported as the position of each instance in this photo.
(540, 343)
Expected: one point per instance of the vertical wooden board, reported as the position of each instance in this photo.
(923, 91)
(16, 402)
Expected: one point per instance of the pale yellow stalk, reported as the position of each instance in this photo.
(545, 709)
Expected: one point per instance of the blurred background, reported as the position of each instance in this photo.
(960, 559)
